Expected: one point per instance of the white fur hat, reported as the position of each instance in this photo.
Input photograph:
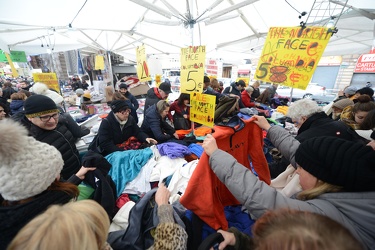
(27, 166)
(42, 89)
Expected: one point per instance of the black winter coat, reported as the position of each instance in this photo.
(63, 138)
(320, 124)
(110, 133)
(151, 98)
(155, 126)
(132, 99)
(232, 89)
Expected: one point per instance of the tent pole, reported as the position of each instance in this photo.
(110, 66)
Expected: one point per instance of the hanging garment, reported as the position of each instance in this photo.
(205, 194)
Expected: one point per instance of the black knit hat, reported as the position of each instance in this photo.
(339, 162)
(166, 87)
(37, 105)
(123, 86)
(119, 105)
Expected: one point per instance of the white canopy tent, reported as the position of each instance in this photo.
(228, 28)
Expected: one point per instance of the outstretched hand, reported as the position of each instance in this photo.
(209, 145)
(83, 171)
(229, 239)
(262, 122)
(151, 140)
(162, 195)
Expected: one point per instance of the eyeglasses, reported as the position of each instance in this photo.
(125, 111)
(46, 118)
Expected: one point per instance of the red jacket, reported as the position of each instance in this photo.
(246, 100)
(205, 195)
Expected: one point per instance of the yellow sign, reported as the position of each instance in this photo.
(192, 68)
(99, 62)
(157, 80)
(50, 79)
(14, 70)
(142, 68)
(202, 108)
(291, 54)
(245, 79)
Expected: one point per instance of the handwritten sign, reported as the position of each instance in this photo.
(142, 68)
(192, 68)
(16, 56)
(157, 80)
(291, 54)
(202, 108)
(99, 62)
(50, 79)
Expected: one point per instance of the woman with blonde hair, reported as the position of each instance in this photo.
(75, 225)
(292, 229)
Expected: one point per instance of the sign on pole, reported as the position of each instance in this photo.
(291, 54)
(202, 108)
(15, 56)
(142, 68)
(192, 68)
(50, 79)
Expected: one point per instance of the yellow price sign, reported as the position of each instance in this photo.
(192, 68)
(157, 80)
(142, 68)
(50, 79)
(291, 54)
(202, 108)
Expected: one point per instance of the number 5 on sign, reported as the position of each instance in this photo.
(142, 68)
(192, 68)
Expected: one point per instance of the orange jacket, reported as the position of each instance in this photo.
(205, 195)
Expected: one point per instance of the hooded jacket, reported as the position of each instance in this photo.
(352, 210)
(16, 106)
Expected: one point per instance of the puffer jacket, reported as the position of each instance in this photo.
(152, 98)
(156, 127)
(63, 139)
(16, 106)
(351, 209)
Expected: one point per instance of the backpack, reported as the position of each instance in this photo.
(226, 107)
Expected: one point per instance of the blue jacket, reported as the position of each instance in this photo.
(155, 126)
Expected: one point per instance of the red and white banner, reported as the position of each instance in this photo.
(365, 64)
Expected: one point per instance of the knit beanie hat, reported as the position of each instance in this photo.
(350, 90)
(343, 103)
(123, 86)
(118, 105)
(27, 167)
(42, 89)
(339, 162)
(37, 105)
(366, 91)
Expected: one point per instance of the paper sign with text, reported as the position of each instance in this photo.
(157, 80)
(50, 79)
(291, 54)
(142, 68)
(192, 68)
(202, 108)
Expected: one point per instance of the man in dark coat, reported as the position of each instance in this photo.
(156, 94)
(123, 88)
(234, 90)
(118, 127)
(44, 123)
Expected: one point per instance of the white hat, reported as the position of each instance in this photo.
(27, 166)
(42, 89)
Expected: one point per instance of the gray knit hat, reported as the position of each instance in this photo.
(343, 103)
(27, 166)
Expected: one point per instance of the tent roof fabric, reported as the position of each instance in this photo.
(230, 28)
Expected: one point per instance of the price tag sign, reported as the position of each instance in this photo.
(142, 68)
(50, 79)
(291, 54)
(157, 80)
(192, 68)
(202, 108)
